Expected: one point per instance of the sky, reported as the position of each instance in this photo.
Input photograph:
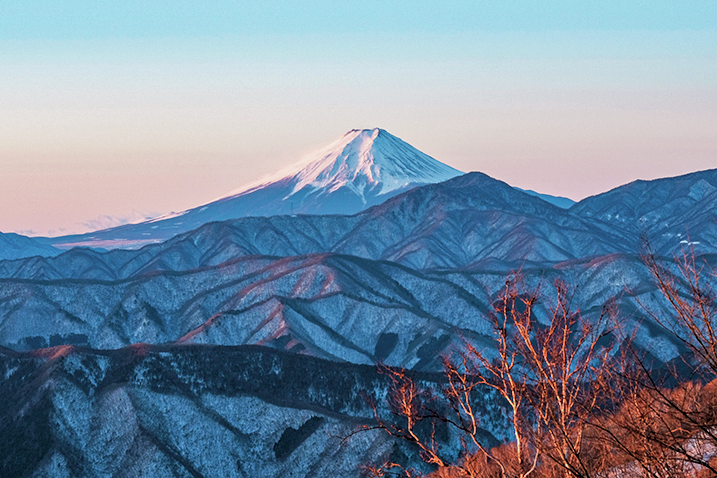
(115, 111)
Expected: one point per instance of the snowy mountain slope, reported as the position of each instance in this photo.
(337, 307)
(15, 246)
(361, 169)
(329, 306)
(672, 211)
(369, 163)
(192, 411)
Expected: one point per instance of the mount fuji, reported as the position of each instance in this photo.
(361, 169)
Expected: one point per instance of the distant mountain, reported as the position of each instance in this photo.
(360, 170)
(15, 246)
(560, 201)
(673, 212)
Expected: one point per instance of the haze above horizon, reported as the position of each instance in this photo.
(116, 112)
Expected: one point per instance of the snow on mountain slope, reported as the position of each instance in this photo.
(331, 306)
(196, 411)
(369, 162)
(362, 169)
(15, 246)
(674, 212)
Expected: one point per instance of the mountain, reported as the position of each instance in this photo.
(245, 347)
(15, 246)
(466, 222)
(337, 307)
(403, 281)
(672, 212)
(559, 201)
(332, 306)
(360, 170)
(197, 411)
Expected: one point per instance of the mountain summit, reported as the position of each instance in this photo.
(367, 164)
(361, 169)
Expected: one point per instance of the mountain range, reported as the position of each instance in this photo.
(254, 321)
(455, 224)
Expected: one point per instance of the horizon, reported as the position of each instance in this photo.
(119, 112)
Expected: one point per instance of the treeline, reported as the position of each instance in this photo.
(582, 399)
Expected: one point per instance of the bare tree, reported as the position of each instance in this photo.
(688, 286)
(544, 373)
(563, 364)
(652, 429)
(577, 406)
(664, 420)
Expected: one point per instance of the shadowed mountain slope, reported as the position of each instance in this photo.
(672, 211)
(15, 246)
(194, 411)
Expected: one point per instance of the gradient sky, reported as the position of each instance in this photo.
(111, 111)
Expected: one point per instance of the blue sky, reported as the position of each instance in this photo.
(86, 20)
(114, 110)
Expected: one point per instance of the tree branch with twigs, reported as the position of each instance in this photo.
(544, 373)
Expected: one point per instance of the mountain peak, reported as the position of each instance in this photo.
(374, 132)
(367, 162)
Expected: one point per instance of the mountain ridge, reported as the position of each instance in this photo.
(450, 225)
(671, 212)
(16, 246)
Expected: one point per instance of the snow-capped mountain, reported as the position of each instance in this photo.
(360, 170)
(369, 164)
